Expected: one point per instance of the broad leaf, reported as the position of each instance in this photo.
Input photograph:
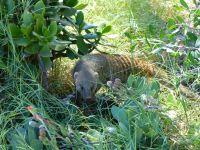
(27, 18)
(82, 46)
(53, 28)
(89, 26)
(90, 36)
(68, 12)
(32, 48)
(22, 41)
(45, 51)
(15, 30)
(79, 18)
(70, 3)
(39, 7)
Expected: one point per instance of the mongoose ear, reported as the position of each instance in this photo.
(76, 75)
(96, 75)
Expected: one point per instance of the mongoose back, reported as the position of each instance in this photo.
(96, 69)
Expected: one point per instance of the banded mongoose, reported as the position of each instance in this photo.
(93, 70)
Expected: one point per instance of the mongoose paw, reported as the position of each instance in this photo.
(114, 85)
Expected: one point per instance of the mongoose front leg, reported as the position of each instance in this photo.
(115, 85)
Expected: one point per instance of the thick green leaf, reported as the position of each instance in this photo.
(53, 28)
(70, 3)
(79, 18)
(40, 22)
(38, 36)
(82, 46)
(39, 7)
(31, 133)
(59, 45)
(27, 18)
(27, 31)
(184, 4)
(32, 48)
(22, 41)
(36, 144)
(106, 29)
(45, 31)
(89, 26)
(68, 12)
(15, 30)
(80, 6)
(120, 115)
(45, 51)
(90, 36)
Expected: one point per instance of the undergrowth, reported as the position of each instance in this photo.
(140, 115)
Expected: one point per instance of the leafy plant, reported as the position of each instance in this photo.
(45, 30)
(177, 43)
(140, 125)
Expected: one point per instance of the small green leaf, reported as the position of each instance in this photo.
(80, 6)
(171, 24)
(27, 18)
(79, 18)
(192, 36)
(106, 29)
(45, 51)
(180, 19)
(39, 7)
(162, 34)
(133, 46)
(178, 82)
(184, 4)
(53, 28)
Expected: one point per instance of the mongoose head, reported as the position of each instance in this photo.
(86, 83)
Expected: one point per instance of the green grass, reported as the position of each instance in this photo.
(142, 117)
